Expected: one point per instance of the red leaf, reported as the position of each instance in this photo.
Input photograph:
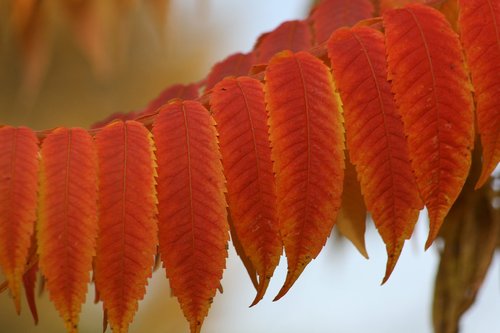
(115, 116)
(290, 35)
(375, 136)
(239, 110)
(308, 149)
(184, 91)
(234, 65)
(329, 15)
(192, 207)
(433, 93)
(67, 224)
(18, 196)
(127, 239)
(479, 28)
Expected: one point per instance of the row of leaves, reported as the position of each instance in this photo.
(409, 123)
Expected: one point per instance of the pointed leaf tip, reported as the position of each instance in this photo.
(433, 94)
(239, 110)
(193, 228)
(307, 140)
(375, 136)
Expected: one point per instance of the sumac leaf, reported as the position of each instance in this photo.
(238, 108)
(433, 93)
(307, 140)
(184, 91)
(234, 65)
(193, 228)
(479, 24)
(67, 223)
(329, 15)
(291, 35)
(375, 137)
(18, 202)
(127, 237)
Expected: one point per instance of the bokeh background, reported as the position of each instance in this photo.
(148, 50)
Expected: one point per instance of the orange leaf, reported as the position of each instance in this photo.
(479, 28)
(127, 240)
(291, 35)
(375, 136)
(433, 93)
(307, 140)
(329, 15)
(192, 207)
(351, 221)
(239, 110)
(234, 65)
(18, 194)
(67, 224)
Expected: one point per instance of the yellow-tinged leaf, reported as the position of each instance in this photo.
(67, 225)
(127, 237)
(351, 221)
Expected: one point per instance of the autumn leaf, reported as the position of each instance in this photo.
(234, 65)
(375, 136)
(127, 238)
(479, 25)
(433, 93)
(239, 110)
(307, 140)
(291, 35)
(329, 15)
(18, 202)
(193, 229)
(67, 222)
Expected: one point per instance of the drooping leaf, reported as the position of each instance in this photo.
(351, 221)
(29, 279)
(184, 91)
(375, 136)
(192, 206)
(479, 25)
(67, 223)
(18, 201)
(252, 273)
(291, 35)
(234, 65)
(433, 93)
(307, 140)
(329, 15)
(239, 110)
(127, 237)
(470, 237)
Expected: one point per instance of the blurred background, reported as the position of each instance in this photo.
(67, 68)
